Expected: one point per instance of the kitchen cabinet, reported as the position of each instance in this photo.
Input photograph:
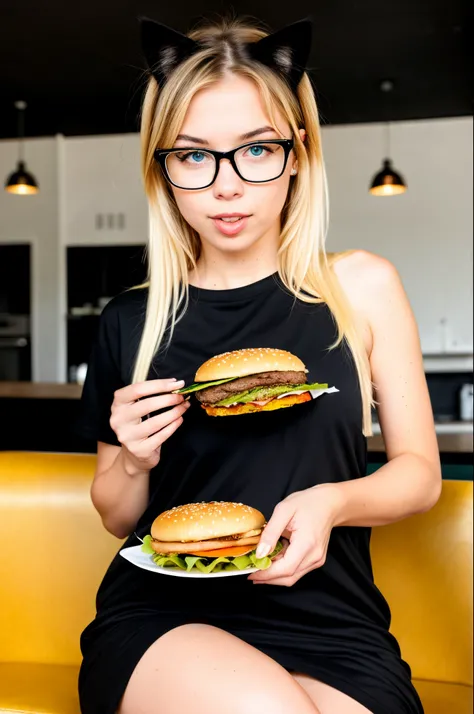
(95, 274)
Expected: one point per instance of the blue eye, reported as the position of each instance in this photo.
(256, 150)
(191, 157)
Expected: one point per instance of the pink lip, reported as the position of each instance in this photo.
(230, 229)
(230, 215)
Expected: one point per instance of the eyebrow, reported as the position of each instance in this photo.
(243, 137)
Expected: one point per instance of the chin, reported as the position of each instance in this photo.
(242, 242)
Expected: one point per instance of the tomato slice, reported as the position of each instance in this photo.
(232, 552)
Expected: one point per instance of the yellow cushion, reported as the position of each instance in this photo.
(54, 551)
(443, 698)
(423, 566)
(38, 688)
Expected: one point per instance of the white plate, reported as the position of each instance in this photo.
(135, 556)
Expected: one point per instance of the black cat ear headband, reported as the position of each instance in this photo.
(285, 51)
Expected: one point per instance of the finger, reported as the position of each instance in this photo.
(282, 552)
(288, 581)
(282, 515)
(154, 404)
(157, 440)
(151, 426)
(132, 392)
(287, 566)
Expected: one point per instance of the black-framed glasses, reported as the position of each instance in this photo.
(192, 169)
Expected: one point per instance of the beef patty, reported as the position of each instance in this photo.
(211, 395)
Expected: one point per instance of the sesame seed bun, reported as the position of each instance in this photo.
(241, 363)
(205, 521)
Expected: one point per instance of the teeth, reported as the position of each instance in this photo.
(232, 219)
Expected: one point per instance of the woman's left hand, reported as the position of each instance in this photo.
(306, 519)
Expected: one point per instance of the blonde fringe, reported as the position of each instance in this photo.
(305, 269)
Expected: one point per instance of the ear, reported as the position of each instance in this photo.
(164, 49)
(285, 51)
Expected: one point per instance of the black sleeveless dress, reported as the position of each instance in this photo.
(333, 623)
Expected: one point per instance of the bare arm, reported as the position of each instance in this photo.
(119, 496)
(119, 491)
(411, 480)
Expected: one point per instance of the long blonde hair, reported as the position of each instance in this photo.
(173, 249)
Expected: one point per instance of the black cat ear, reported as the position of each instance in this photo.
(286, 51)
(164, 49)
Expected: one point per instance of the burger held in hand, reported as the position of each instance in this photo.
(208, 537)
(251, 380)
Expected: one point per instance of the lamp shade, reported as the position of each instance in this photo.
(21, 181)
(387, 182)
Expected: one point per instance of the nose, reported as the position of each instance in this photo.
(227, 184)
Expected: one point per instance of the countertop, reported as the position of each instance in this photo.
(453, 443)
(39, 390)
(454, 437)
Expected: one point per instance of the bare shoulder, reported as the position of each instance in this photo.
(373, 289)
(365, 269)
(367, 279)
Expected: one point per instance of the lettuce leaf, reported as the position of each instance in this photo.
(170, 559)
(209, 565)
(146, 545)
(197, 386)
(260, 393)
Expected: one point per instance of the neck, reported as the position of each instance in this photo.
(217, 270)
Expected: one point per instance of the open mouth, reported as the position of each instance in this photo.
(230, 224)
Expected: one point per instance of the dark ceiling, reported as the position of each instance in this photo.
(79, 65)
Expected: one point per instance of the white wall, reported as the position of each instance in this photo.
(102, 176)
(426, 232)
(34, 219)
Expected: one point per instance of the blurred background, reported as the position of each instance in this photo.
(394, 88)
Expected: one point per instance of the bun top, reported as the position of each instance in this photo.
(241, 363)
(203, 521)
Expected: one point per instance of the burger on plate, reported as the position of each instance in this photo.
(208, 537)
(251, 380)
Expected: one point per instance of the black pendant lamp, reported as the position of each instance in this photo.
(387, 181)
(21, 182)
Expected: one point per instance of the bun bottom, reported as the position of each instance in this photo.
(272, 406)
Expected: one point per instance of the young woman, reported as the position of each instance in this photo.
(237, 259)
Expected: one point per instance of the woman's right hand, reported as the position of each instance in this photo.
(142, 438)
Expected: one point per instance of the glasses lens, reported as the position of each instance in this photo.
(260, 162)
(191, 169)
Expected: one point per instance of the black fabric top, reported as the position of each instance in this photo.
(258, 459)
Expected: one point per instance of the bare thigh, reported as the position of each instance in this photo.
(201, 669)
(329, 700)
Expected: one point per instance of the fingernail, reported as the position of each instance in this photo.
(263, 550)
(179, 381)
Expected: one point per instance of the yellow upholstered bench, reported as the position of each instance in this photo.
(423, 566)
(54, 552)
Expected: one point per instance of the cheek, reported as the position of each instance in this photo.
(270, 199)
(190, 205)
